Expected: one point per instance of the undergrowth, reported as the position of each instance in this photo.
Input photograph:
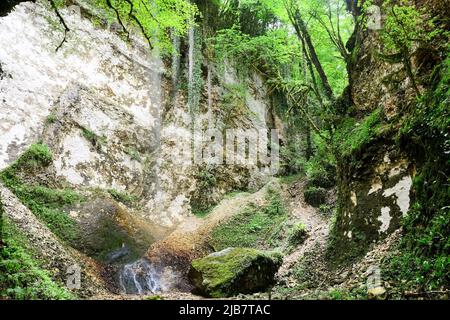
(254, 226)
(46, 203)
(21, 274)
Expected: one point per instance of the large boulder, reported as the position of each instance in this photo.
(233, 271)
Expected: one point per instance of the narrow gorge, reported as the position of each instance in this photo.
(239, 149)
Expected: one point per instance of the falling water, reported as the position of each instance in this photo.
(175, 59)
(144, 277)
(139, 277)
(191, 55)
(209, 88)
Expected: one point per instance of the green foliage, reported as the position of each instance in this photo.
(251, 17)
(315, 196)
(93, 138)
(206, 178)
(297, 235)
(156, 20)
(275, 205)
(352, 135)
(234, 103)
(326, 210)
(37, 155)
(267, 53)
(253, 227)
(123, 197)
(194, 76)
(423, 262)
(21, 274)
(46, 203)
(51, 118)
(406, 25)
(201, 213)
(133, 153)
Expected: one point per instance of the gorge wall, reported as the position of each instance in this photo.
(376, 178)
(114, 116)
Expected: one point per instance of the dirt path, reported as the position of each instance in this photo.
(317, 277)
(316, 226)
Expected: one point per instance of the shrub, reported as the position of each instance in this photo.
(51, 118)
(315, 196)
(297, 235)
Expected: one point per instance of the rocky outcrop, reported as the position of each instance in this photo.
(109, 113)
(233, 271)
(64, 263)
(376, 179)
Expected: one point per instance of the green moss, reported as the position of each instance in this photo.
(222, 271)
(423, 263)
(21, 274)
(297, 234)
(201, 213)
(352, 135)
(46, 203)
(123, 197)
(234, 103)
(254, 226)
(315, 196)
(290, 179)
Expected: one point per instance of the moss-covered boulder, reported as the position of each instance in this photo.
(233, 271)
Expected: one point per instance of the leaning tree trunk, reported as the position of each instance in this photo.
(301, 28)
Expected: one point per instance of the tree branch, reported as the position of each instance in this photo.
(63, 23)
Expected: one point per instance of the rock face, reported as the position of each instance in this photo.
(109, 114)
(375, 188)
(372, 206)
(53, 255)
(233, 271)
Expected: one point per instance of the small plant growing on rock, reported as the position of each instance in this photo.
(93, 138)
(123, 197)
(37, 155)
(51, 118)
(275, 204)
(46, 203)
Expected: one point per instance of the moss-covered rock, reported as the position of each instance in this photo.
(233, 271)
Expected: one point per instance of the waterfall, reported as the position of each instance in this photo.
(209, 89)
(143, 277)
(191, 36)
(175, 60)
(140, 277)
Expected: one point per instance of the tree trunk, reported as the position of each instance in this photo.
(302, 32)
